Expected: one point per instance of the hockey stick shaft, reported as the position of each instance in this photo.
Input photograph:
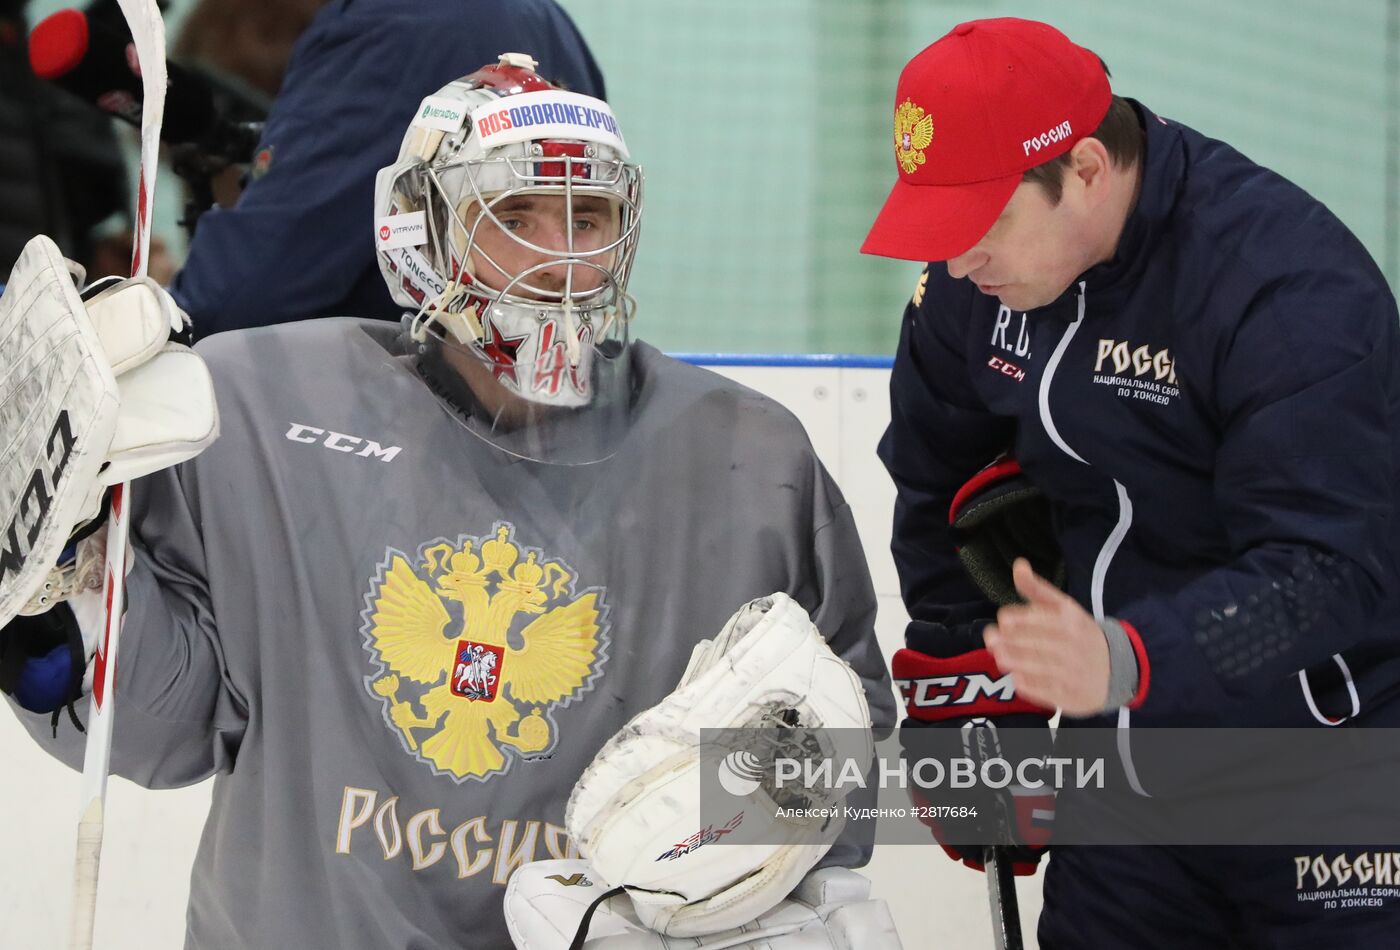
(97, 755)
(982, 743)
(1001, 893)
(148, 36)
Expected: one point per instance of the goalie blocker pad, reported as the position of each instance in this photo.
(58, 414)
(94, 394)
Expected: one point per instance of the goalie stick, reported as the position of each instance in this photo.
(148, 35)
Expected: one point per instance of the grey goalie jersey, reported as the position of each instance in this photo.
(397, 647)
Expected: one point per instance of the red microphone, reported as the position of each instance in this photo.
(99, 65)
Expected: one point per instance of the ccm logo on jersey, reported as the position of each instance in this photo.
(340, 442)
(1007, 369)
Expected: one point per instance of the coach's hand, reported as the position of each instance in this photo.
(1053, 648)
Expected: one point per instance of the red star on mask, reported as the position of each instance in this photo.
(500, 351)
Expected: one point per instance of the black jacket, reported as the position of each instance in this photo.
(1215, 416)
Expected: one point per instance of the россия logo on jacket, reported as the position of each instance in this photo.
(1137, 371)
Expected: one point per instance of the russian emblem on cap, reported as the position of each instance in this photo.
(913, 131)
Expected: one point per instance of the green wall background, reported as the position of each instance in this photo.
(765, 126)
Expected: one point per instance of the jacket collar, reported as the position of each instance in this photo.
(1163, 174)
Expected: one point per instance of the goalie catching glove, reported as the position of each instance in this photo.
(831, 909)
(636, 812)
(95, 394)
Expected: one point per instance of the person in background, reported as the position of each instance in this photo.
(251, 40)
(61, 171)
(297, 244)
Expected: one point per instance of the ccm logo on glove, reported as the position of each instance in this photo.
(37, 494)
(967, 685)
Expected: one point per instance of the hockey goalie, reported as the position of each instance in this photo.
(425, 571)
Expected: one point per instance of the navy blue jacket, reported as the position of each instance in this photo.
(1215, 416)
(300, 242)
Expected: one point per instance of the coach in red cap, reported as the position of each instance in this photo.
(1197, 367)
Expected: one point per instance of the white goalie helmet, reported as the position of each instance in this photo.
(539, 304)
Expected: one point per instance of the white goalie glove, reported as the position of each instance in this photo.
(94, 394)
(640, 798)
(831, 909)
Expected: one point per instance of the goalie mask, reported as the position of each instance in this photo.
(508, 226)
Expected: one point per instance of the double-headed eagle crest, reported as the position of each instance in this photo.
(913, 131)
(442, 628)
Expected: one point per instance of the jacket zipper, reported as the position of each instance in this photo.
(1115, 538)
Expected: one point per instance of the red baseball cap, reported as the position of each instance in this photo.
(973, 113)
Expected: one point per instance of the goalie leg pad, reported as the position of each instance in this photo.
(831, 909)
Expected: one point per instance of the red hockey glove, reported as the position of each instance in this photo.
(998, 516)
(958, 703)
